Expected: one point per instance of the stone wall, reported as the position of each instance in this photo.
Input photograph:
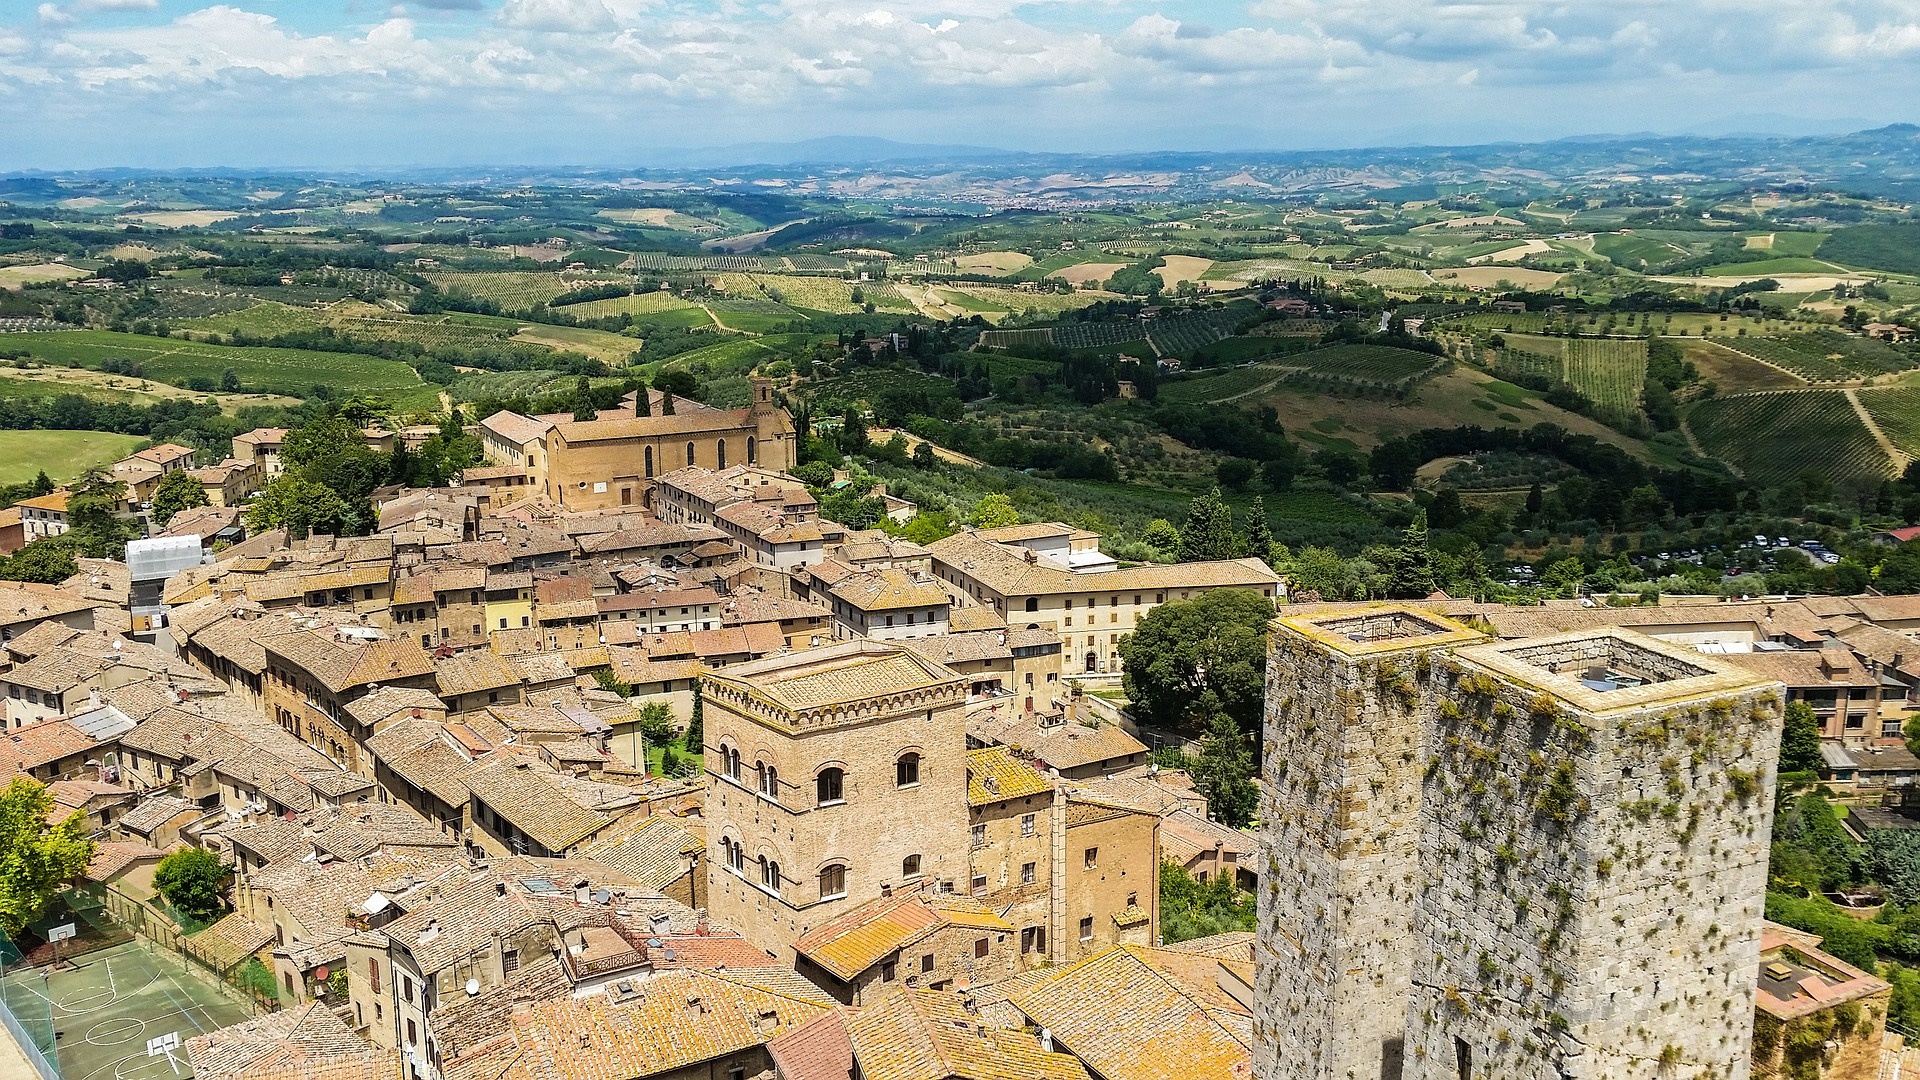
(1348, 707)
(1595, 882)
(1478, 866)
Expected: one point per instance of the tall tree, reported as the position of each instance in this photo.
(1224, 773)
(1800, 739)
(36, 855)
(175, 492)
(993, 511)
(1209, 531)
(1259, 531)
(1188, 658)
(1412, 564)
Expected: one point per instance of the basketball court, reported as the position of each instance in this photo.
(124, 1013)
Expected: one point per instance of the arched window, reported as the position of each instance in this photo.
(1033, 603)
(833, 882)
(736, 856)
(689, 453)
(910, 866)
(649, 462)
(720, 450)
(829, 787)
(769, 875)
(906, 771)
(731, 764)
(769, 778)
(753, 450)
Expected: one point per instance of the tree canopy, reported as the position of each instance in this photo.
(175, 492)
(36, 857)
(193, 880)
(1188, 658)
(1209, 532)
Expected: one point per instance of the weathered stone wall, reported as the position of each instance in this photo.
(1594, 880)
(1476, 866)
(1343, 752)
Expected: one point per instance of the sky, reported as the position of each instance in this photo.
(370, 84)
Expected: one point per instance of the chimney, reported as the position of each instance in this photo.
(582, 893)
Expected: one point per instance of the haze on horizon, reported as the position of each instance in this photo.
(365, 83)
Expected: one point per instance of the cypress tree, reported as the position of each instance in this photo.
(1209, 532)
(1259, 532)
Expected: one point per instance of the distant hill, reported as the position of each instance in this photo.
(835, 149)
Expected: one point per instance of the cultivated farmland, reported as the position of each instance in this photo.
(1609, 371)
(1896, 409)
(1375, 370)
(1827, 355)
(293, 372)
(1773, 438)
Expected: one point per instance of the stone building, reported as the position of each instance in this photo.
(834, 776)
(614, 459)
(1540, 858)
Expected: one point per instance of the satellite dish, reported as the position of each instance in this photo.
(320, 973)
(473, 987)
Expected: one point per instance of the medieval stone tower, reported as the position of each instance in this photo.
(1349, 700)
(1544, 859)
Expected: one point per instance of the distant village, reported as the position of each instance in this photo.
(916, 833)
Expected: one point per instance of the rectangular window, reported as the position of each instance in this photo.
(979, 884)
(888, 971)
(510, 961)
(1026, 873)
(979, 836)
(1086, 929)
(413, 1034)
(926, 963)
(980, 948)
(1093, 857)
(1026, 824)
(406, 989)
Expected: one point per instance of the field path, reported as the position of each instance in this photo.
(882, 436)
(723, 326)
(1901, 459)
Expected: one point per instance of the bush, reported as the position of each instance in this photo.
(193, 881)
(1191, 909)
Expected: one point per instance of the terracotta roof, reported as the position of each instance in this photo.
(1136, 1013)
(854, 941)
(31, 602)
(1186, 833)
(816, 1050)
(474, 672)
(1066, 744)
(996, 775)
(516, 428)
(44, 743)
(154, 811)
(309, 1042)
(1232, 945)
(888, 590)
(419, 752)
(671, 1022)
(343, 664)
(932, 1035)
(847, 672)
(228, 941)
(1006, 570)
(53, 501)
(110, 857)
(384, 702)
(537, 803)
(655, 855)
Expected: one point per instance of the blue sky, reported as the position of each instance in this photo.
(345, 83)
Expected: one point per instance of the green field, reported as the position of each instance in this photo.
(1609, 371)
(1896, 409)
(63, 454)
(1228, 384)
(1773, 438)
(294, 372)
(1827, 355)
(1632, 251)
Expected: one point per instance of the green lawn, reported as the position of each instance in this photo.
(63, 454)
(293, 372)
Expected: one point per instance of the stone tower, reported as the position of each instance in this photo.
(1529, 860)
(1350, 698)
(834, 776)
(1594, 839)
